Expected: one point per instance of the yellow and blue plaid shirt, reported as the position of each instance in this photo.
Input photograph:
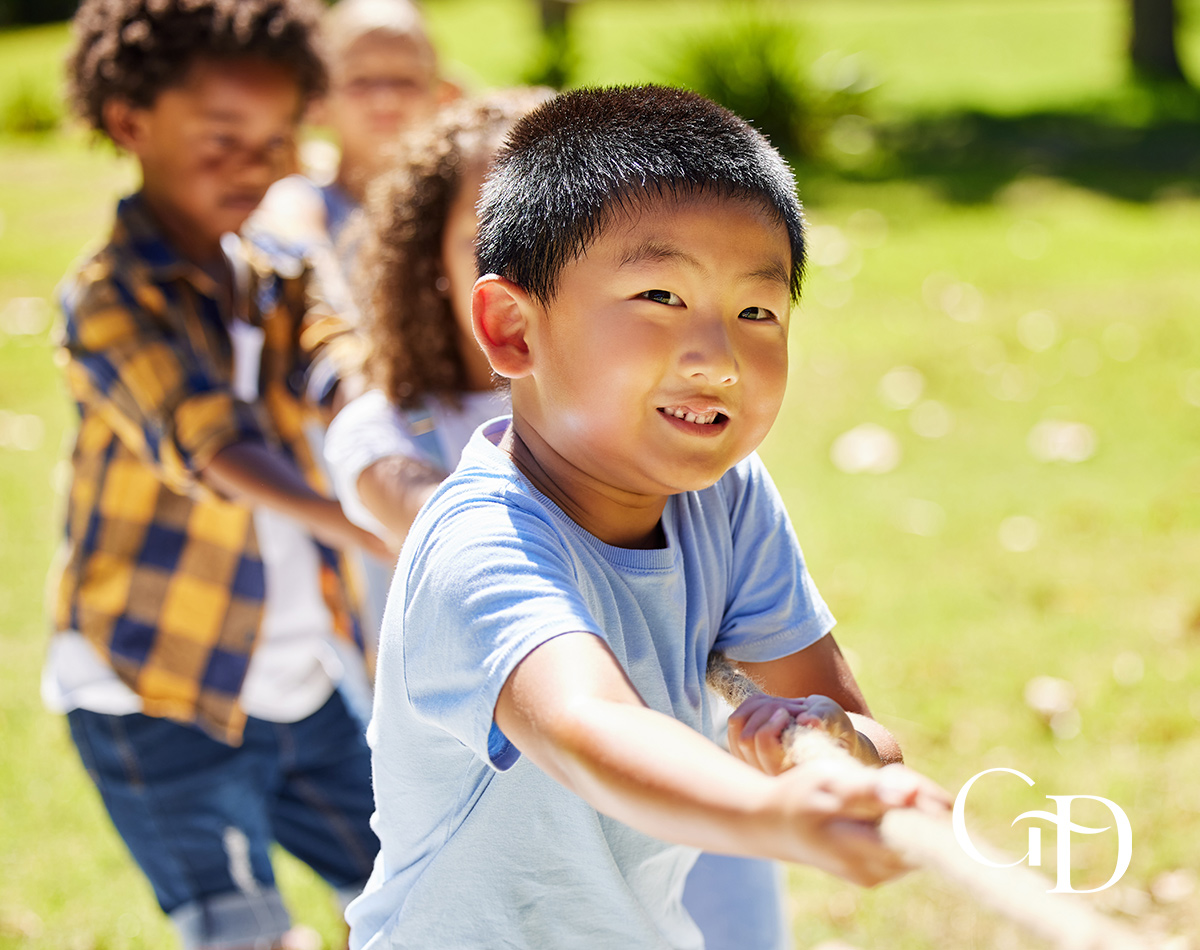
(162, 576)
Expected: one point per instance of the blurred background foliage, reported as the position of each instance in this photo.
(16, 12)
(1105, 120)
(762, 68)
(990, 446)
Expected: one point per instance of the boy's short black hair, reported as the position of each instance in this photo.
(571, 163)
(134, 49)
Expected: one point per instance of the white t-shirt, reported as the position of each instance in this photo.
(370, 428)
(479, 846)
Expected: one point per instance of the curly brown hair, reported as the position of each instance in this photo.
(134, 49)
(410, 325)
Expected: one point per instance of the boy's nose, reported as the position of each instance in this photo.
(267, 162)
(709, 353)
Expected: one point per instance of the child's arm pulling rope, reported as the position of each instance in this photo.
(925, 841)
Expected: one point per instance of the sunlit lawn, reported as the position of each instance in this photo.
(966, 565)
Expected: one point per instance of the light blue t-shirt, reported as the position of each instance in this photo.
(480, 848)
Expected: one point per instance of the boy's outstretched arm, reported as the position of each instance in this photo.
(253, 472)
(571, 709)
(808, 679)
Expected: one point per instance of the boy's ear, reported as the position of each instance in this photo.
(124, 122)
(500, 316)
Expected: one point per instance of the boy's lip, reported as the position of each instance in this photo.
(242, 201)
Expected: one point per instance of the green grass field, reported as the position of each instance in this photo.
(1016, 321)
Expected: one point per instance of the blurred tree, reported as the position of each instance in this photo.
(556, 60)
(1152, 50)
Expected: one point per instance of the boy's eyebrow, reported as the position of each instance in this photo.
(653, 252)
(771, 271)
(221, 115)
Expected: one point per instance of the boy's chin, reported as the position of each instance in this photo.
(234, 220)
(685, 479)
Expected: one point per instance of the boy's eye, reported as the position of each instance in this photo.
(756, 313)
(393, 85)
(663, 297)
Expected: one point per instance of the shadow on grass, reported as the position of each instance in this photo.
(1134, 149)
(972, 156)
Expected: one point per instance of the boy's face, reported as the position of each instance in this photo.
(380, 85)
(662, 360)
(210, 147)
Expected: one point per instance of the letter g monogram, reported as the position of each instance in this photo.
(1061, 819)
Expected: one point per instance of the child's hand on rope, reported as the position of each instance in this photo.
(834, 808)
(756, 728)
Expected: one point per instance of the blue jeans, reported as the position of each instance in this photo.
(738, 903)
(199, 816)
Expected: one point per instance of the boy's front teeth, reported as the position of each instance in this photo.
(705, 419)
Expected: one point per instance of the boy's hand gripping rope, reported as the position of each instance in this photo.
(925, 841)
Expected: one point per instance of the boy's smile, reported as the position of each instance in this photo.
(701, 422)
(659, 364)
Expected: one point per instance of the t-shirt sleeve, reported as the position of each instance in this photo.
(367, 429)
(774, 608)
(487, 584)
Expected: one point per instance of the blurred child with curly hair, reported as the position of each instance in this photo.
(390, 448)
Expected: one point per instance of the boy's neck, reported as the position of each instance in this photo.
(203, 251)
(621, 519)
(207, 256)
(352, 178)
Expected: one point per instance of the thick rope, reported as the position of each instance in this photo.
(928, 842)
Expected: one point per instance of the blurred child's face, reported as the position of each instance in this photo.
(662, 360)
(380, 85)
(210, 147)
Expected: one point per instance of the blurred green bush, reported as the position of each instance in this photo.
(758, 66)
(27, 109)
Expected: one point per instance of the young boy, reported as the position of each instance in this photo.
(383, 79)
(542, 739)
(201, 587)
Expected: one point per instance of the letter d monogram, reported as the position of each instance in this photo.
(1064, 827)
